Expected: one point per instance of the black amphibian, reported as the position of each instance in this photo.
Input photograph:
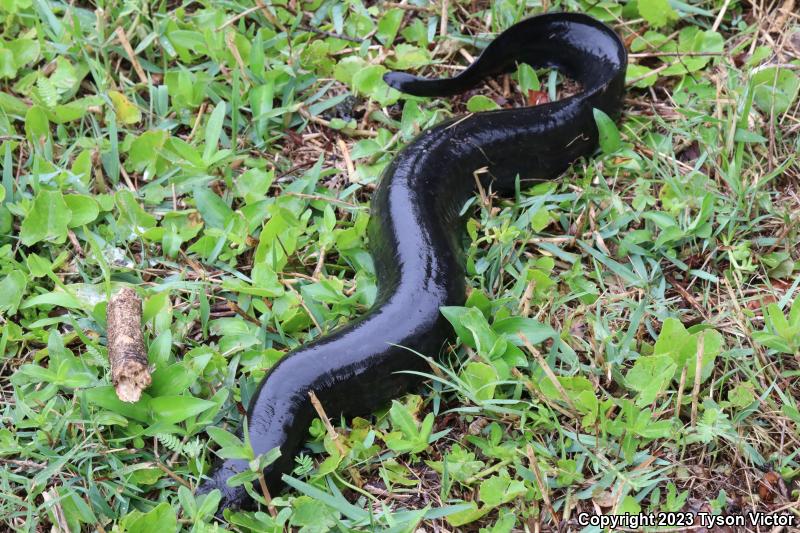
(415, 231)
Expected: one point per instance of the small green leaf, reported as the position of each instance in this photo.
(674, 340)
(480, 103)
(778, 322)
(132, 213)
(650, 376)
(468, 515)
(214, 210)
(174, 378)
(187, 502)
(312, 517)
(106, 398)
(47, 220)
(480, 378)
(587, 403)
(528, 80)
(403, 420)
(368, 80)
(140, 476)
(209, 505)
(8, 67)
(24, 51)
(408, 56)
(127, 112)
(84, 209)
(12, 287)
(532, 329)
(388, 26)
(54, 298)
(37, 126)
(161, 518)
(174, 409)
(488, 343)
(409, 436)
(609, 134)
(775, 90)
(253, 184)
(642, 74)
(500, 489)
(657, 12)
(741, 395)
(629, 505)
(231, 447)
(145, 149)
(214, 130)
(12, 105)
(454, 315)
(347, 68)
(572, 385)
(337, 502)
(745, 136)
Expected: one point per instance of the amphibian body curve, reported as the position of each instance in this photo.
(415, 231)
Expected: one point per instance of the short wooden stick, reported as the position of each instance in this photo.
(126, 352)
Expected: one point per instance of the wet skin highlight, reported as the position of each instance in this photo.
(415, 232)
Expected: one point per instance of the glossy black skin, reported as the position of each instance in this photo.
(415, 231)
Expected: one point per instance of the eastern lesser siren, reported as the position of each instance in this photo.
(415, 230)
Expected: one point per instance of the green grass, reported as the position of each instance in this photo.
(226, 175)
